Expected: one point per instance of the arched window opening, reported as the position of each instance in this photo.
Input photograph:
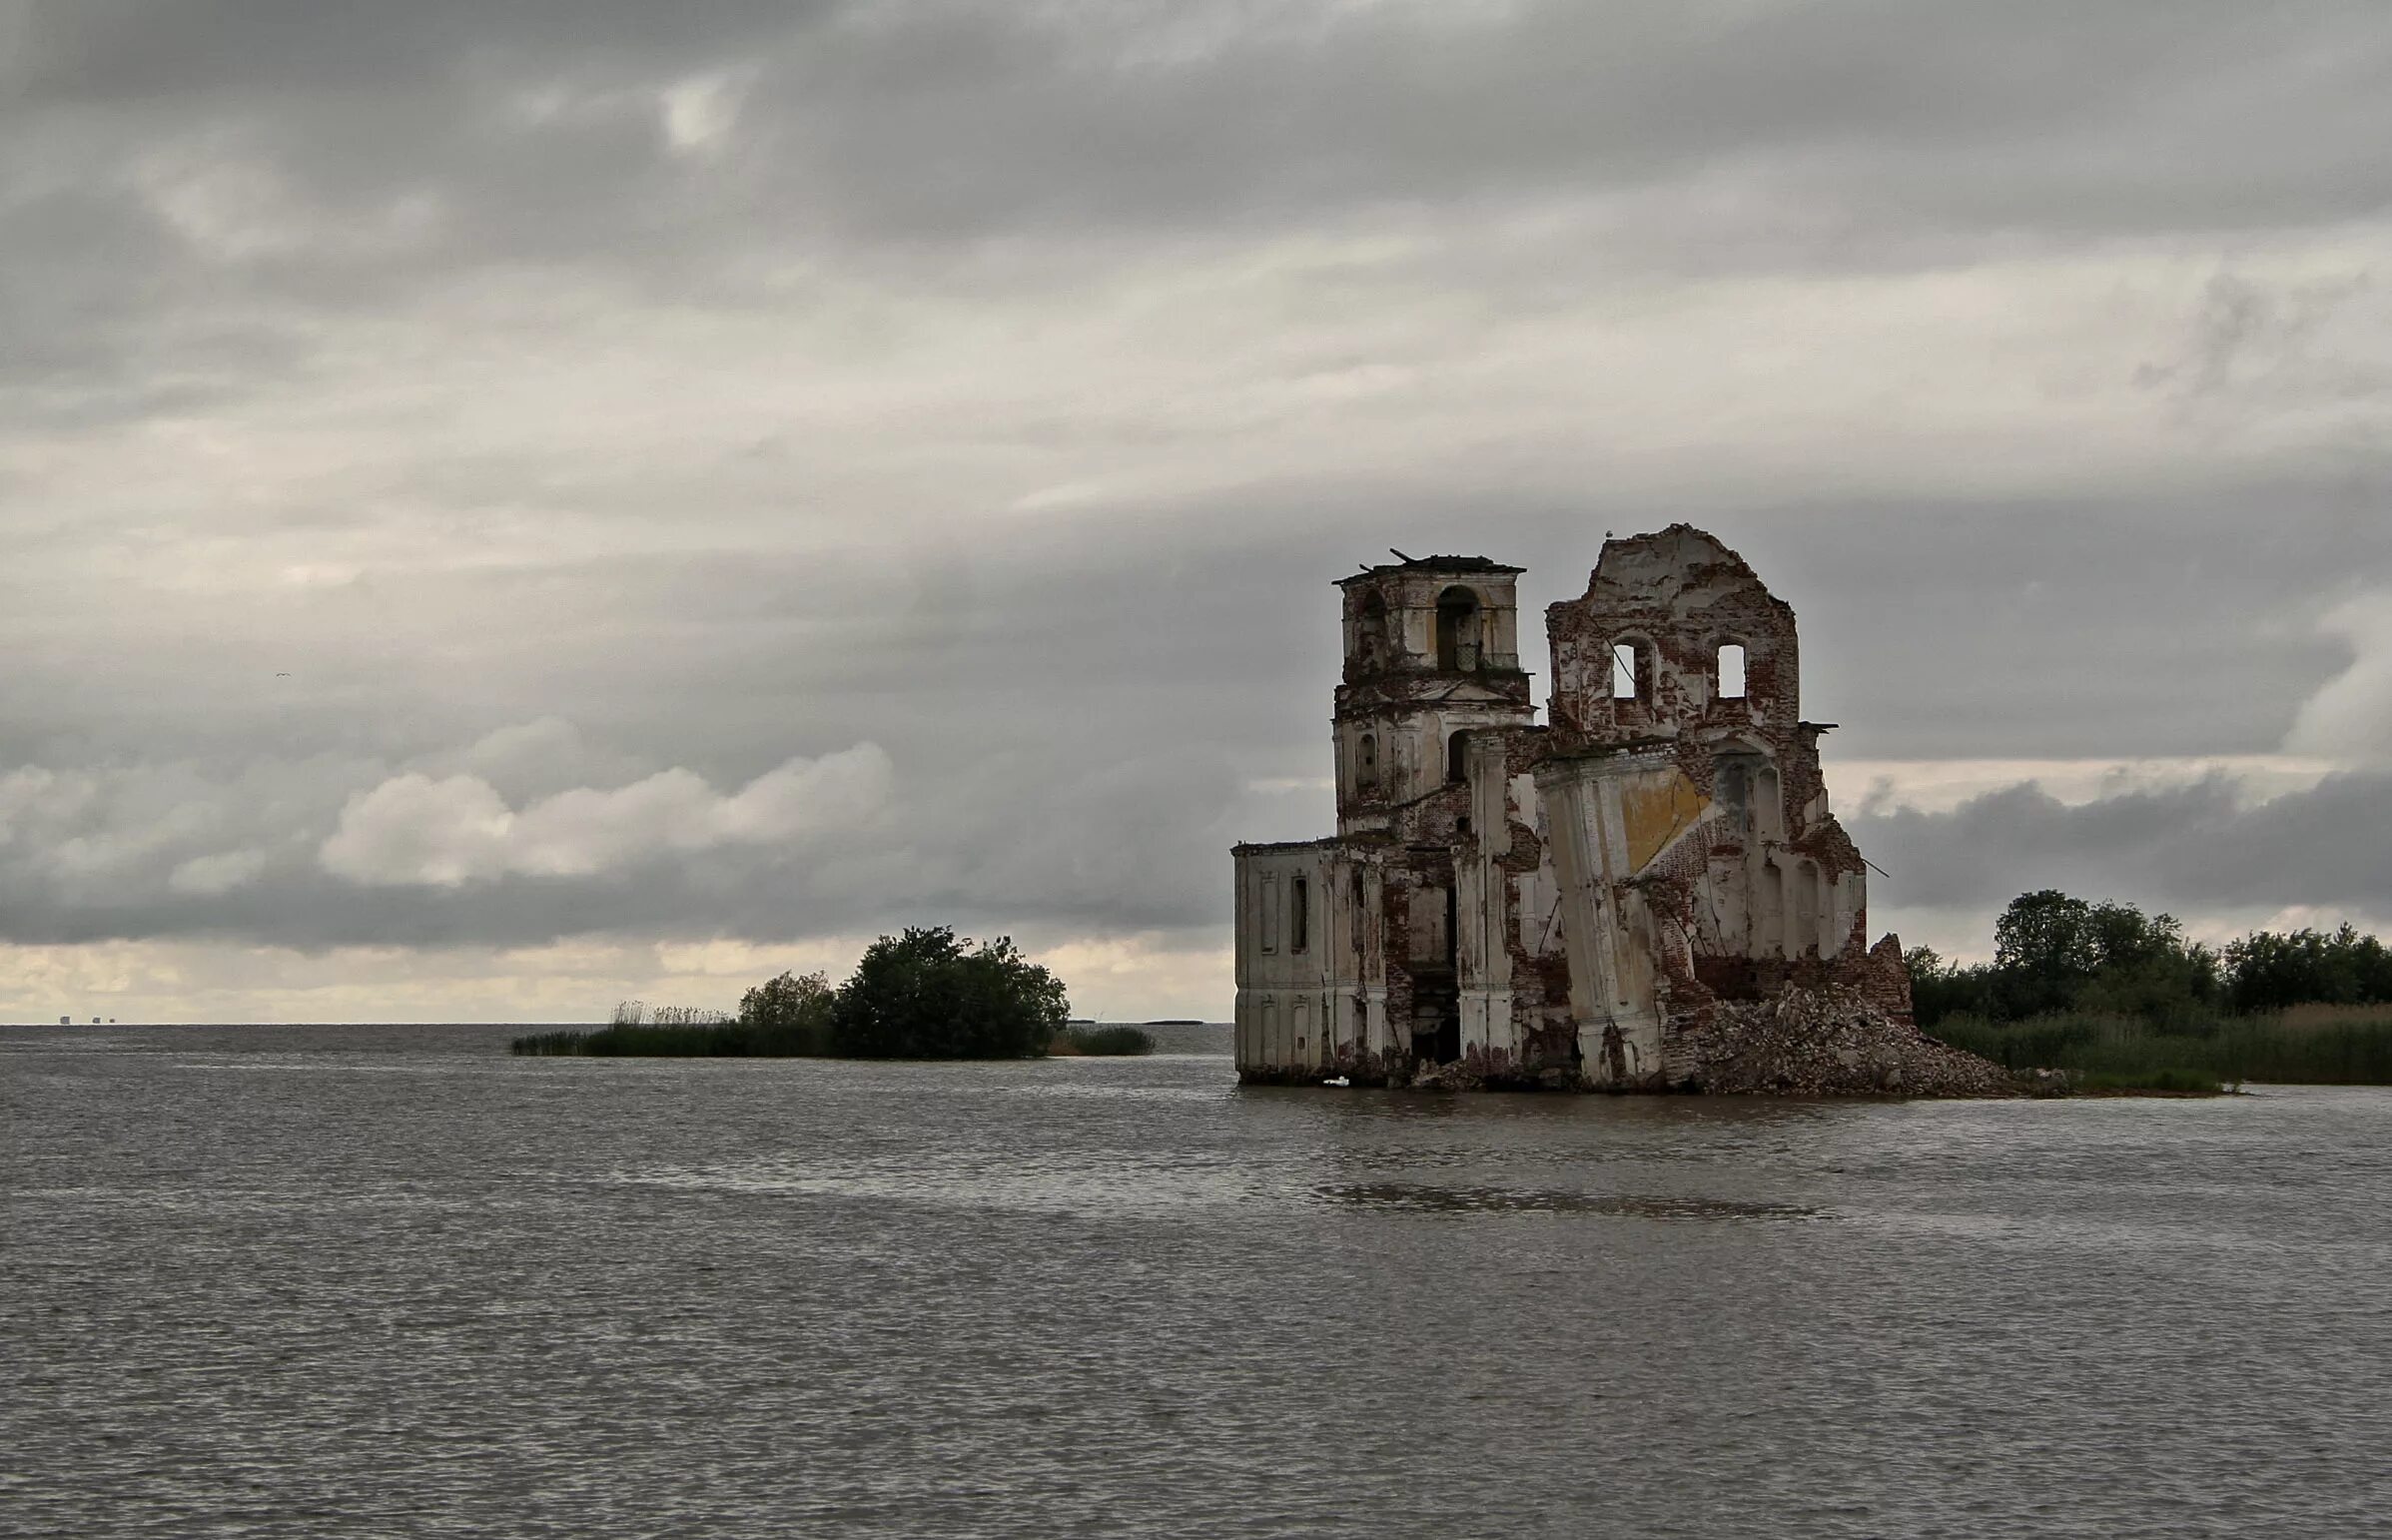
(1370, 630)
(1366, 761)
(1769, 915)
(1734, 793)
(1731, 671)
(1300, 913)
(1631, 671)
(1457, 757)
(1459, 629)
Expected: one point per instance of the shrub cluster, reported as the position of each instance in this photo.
(2267, 972)
(2120, 998)
(1106, 1041)
(790, 1014)
(927, 993)
(2055, 953)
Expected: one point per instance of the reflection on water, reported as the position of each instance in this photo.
(1428, 1199)
(267, 1282)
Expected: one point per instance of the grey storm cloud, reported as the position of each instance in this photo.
(167, 157)
(325, 853)
(943, 119)
(466, 468)
(1066, 731)
(2204, 844)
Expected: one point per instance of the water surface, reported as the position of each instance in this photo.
(390, 1281)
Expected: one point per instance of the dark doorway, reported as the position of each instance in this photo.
(1457, 630)
(1440, 1044)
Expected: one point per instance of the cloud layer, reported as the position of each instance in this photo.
(416, 831)
(2205, 849)
(549, 475)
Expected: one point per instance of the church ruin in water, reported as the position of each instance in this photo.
(1565, 903)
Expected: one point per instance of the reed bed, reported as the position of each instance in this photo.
(1103, 1041)
(725, 1039)
(550, 1043)
(664, 1035)
(2306, 1044)
(680, 1032)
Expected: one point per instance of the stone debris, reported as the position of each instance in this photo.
(1460, 1074)
(1826, 1042)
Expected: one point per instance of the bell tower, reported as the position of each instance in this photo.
(1432, 652)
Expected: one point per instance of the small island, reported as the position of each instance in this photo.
(926, 994)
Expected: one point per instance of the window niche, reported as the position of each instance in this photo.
(1732, 786)
(1631, 670)
(1769, 914)
(1370, 631)
(1460, 618)
(1731, 671)
(1769, 807)
(1802, 926)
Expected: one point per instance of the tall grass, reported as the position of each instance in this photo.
(2315, 1046)
(666, 1034)
(679, 1032)
(1103, 1041)
(724, 1040)
(544, 1042)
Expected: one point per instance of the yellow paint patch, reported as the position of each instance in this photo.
(1655, 809)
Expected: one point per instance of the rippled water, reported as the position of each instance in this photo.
(391, 1282)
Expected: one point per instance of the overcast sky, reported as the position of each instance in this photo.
(506, 507)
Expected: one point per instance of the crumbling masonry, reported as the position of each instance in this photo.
(1571, 904)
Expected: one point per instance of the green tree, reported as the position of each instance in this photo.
(2173, 988)
(2267, 972)
(790, 1014)
(1940, 988)
(2056, 953)
(929, 993)
(2044, 945)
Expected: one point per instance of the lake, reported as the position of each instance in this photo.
(381, 1282)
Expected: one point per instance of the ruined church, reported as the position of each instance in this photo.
(1565, 903)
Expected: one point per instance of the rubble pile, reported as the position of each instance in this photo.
(1823, 1043)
